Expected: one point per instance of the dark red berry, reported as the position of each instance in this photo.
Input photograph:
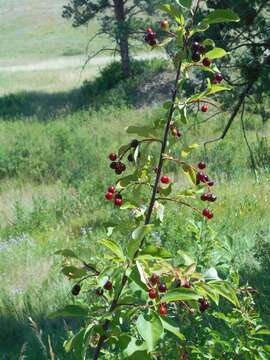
(204, 108)
(195, 46)
(162, 288)
(118, 202)
(200, 177)
(118, 196)
(211, 183)
(149, 30)
(112, 156)
(99, 292)
(210, 216)
(152, 293)
(113, 165)
(76, 289)
(134, 143)
(206, 178)
(109, 196)
(111, 189)
(108, 285)
(202, 165)
(206, 62)
(204, 305)
(153, 42)
(165, 180)
(196, 56)
(208, 213)
(218, 78)
(123, 167)
(163, 309)
(205, 197)
(154, 279)
(215, 82)
(212, 198)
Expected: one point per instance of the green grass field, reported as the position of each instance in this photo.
(54, 141)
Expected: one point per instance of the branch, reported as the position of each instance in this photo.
(234, 113)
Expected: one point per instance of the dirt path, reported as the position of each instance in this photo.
(71, 62)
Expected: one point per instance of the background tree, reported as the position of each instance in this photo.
(120, 20)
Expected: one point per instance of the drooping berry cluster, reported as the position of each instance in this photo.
(150, 37)
(117, 166)
(113, 195)
(203, 178)
(197, 51)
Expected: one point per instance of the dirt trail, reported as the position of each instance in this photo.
(72, 62)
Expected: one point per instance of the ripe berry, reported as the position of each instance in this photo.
(108, 285)
(204, 305)
(109, 196)
(134, 143)
(130, 158)
(206, 62)
(207, 213)
(200, 177)
(152, 293)
(76, 289)
(195, 46)
(113, 165)
(118, 196)
(165, 24)
(112, 156)
(163, 310)
(118, 202)
(99, 292)
(149, 31)
(204, 108)
(205, 197)
(211, 183)
(218, 77)
(196, 56)
(212, 198)
(152, 42)
(202, 165)
(111, 189)
(162, 288)
(165, 180)
(154, 279)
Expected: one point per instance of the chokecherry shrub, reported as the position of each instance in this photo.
(140, 301)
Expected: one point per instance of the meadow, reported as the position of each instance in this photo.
(54, 142)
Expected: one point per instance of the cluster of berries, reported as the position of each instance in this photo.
(203, 178)
(112, 194)
(150, 37)
(197, 51)
(154, 292)
(117, 166)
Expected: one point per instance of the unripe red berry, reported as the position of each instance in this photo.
(202, 165)
(154, 279)
(109, 196)
(118, 202)
(76, 289)
(165, 180)
(163, 309)
(206, 62)
(149, 30)
(152, 293)
(112, 156)
(162, 288)
(165, 24)
(218, 78)
(111, 189)
(108, 285)
(196, 56)
(204, 108)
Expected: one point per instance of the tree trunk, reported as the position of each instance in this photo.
(122, 35)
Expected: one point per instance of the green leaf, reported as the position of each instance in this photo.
(150, 328)
(216, 53)
(66, 253)
(174, 12)
(209, 42)
(207, 291)
(133, 347)
(76, 342)
(137, 237)
(114, 247)
(167, 104)
(201, 27)
(123, 149)
(156, 252)
(142, 131)
(180, 294)
(166, 191)
(73, 272)
(172, 327)
(186, 151)
(221, 16)
(71, 311)
(191, 173)
(137, 278)
(218, 88)
(184, 3)
(226, 290)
